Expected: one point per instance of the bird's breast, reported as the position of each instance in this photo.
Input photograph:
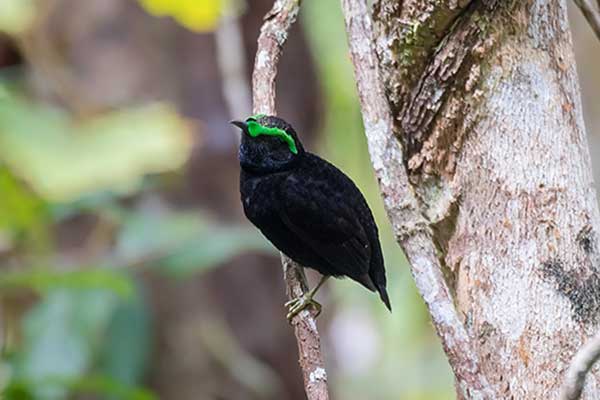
(259, 197)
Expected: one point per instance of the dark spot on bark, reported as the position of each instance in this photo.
(587, 239)
(468, 319)
(485, 331)
(584, 295)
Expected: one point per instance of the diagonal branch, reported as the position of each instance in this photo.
(591, 12)
(273, 35)
(403, 208)
(583, 361)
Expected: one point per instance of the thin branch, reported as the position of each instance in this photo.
(580, 366)
(402, 206)
(273, 35)
(307, 335)
(591, 12)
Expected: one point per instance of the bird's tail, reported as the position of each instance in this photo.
(376, 286)
(377, 274)
(384, 296)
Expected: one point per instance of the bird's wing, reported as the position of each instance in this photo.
(324, 220)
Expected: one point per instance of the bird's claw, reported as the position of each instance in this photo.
(294, 306)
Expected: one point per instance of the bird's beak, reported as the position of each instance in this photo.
(242, 125)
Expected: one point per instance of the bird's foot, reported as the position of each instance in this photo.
(294, 306)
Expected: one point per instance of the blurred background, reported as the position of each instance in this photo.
(127, 269)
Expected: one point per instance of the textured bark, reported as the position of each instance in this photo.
(272, 37)
(487, 118)
(402, 205)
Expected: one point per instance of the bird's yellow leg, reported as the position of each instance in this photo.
(296, 305)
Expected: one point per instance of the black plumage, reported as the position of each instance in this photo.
(306, 207)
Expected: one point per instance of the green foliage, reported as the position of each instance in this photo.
(72, 332)
(99, 384)
(90, 331)
(63, 159)
(16, 15)
(23, 390)
(23, 216)
(58, 338)
(44, 280)
(183, 243)
(125, 351)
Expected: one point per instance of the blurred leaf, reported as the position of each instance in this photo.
(213, 247)
(103, 203)
(145, 234)
(64, 160)
(23, 389)
(17, 391)
(58, 336)
(110, 387)
(21, 212)
(66, 332)
(5, 374)
(196, 15)
(184, 243)
(46, 279)
(16, 15)
(127, 343)
(4, 93)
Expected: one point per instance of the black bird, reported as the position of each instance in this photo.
(307, 208)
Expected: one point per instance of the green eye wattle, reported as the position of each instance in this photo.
(255, 129)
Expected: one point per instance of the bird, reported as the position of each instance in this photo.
(307, 208)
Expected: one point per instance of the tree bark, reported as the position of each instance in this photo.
(403, 206)
(486, 113)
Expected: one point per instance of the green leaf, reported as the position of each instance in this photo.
(18, 391)
(69, 332)
(22, 214)
(155, 235)
(212, 248)
(96, 384)
(64, 160)
(181, 244)
(58, 334)
(126, 347)
(16, 15)
(110, 387)
(44, 280)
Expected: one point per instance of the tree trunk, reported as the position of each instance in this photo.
(486, 105)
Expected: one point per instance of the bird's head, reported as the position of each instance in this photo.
(269, 144)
